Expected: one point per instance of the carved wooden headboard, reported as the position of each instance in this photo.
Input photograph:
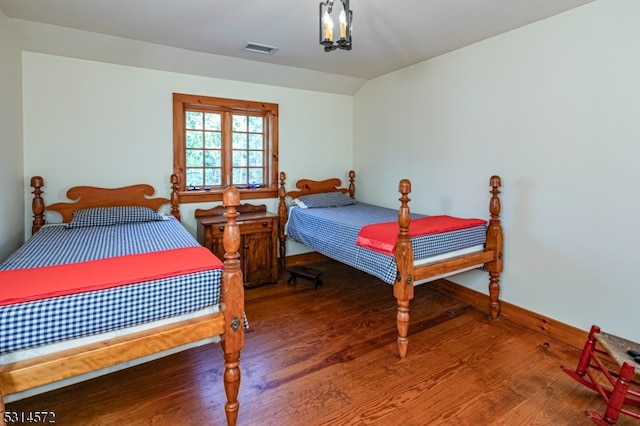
(84, 197)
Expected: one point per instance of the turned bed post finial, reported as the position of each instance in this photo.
(37, 205)
(404, 215)
(231, 237)
(232, 298)
(403, 286)
(352, 186)
(175, 197)
(495, 243)
(494, 206)
(282, 219)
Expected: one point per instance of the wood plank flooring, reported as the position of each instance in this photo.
(329, 357)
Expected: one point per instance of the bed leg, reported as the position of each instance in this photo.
(494, 294)
(232, 386)
(403, 327)
(2, 409)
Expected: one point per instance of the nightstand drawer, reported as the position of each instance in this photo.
(248, 226)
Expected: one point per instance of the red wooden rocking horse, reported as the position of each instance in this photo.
(619, 389)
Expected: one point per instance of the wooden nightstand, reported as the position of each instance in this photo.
(258, 240)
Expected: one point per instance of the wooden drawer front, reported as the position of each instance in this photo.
(256, 226)
(246, 227)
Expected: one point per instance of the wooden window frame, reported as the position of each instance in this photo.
(182, 102)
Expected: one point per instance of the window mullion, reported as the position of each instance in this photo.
(227, 151)
(266, 148)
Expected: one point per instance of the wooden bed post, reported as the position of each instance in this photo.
(495, 243)
(175, 197)
(283, 217)
(352, 185)
(2, 407)
(37, 205)
(232, 296)
(403, 286)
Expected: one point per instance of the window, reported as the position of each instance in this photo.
(219, 142)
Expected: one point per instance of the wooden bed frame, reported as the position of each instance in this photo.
(228, 323)
(408, 273)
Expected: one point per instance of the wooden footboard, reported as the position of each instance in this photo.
(408, 274)
(228, 324)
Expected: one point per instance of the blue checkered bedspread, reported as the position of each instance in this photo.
(41, 322)
(333, 232)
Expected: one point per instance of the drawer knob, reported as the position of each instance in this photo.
(265, 223)
(221, 228)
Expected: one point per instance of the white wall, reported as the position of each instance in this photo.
(554, 108)
(93, 123)
(551, 107)
(11, 157)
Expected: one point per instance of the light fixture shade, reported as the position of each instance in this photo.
(330, 40)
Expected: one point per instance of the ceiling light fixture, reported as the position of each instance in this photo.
(326, 26)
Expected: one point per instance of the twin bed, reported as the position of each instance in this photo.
(116, 283)
(399, 248)
(100, 302)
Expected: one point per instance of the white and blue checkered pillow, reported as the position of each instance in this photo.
(104, 216)
(325, 199)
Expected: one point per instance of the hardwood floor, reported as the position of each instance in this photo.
(329, 357)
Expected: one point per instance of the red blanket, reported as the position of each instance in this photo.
(25, 285)
(382, 237)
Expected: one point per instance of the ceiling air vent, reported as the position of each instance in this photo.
(260, 48)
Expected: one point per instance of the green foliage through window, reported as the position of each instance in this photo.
(220, 142)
